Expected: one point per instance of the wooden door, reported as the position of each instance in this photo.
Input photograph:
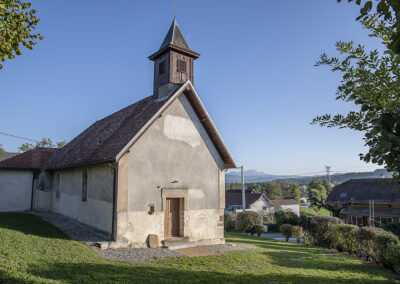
(172, 216)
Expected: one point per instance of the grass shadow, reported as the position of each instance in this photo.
(30, 225)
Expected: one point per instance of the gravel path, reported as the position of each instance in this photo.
(90, 236)
(72, 228)
(136, 255)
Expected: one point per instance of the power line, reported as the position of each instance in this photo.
(15, 136)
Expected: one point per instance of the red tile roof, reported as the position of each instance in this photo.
(106, 138)
(235, 198)
(34, 159)
(284, 202)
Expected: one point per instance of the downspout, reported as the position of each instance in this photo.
(114, 209)
(33, 188)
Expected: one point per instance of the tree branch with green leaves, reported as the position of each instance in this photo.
(17, 22)
(371, 80)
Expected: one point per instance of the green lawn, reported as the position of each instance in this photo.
(32, 250)
(315, 212)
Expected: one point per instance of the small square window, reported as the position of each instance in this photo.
(84, 186)
(181, 66)
(344, 194)
(161, 67)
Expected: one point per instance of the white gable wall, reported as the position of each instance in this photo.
(174, 153)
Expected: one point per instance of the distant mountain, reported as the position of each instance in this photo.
(255, 176)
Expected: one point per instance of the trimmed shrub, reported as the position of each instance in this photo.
(394, 257)
(365, 242)
(259, 229)
(247, 220)
(297, 232)
(385, 242)
(229, 222)
(393, 227)
(305, 222)
(343, 237)
(321, 230)
(286, 217)
(286, 230)
(273, 228)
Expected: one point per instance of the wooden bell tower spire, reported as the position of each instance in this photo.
(173, 62)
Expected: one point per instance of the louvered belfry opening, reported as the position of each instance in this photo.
(173, 62)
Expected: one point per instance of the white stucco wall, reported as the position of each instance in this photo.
(174, 153)
(294, 208)
(15, 190)
(262, 206)
(97, 210)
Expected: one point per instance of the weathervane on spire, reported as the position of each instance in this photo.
(174, 7)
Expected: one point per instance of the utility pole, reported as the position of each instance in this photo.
(328, 173)
(243, 190)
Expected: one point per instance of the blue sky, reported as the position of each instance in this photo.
(256, 74)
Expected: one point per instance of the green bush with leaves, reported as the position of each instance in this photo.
(393, 227)
(385, 243)
(286, 217)
(229, 222)
(305, 222)
(365, 242)
(247, 220)
(259, 229)
(343, 237)
(298, 233)
(286, 230)
(394, 257)
(321, 228)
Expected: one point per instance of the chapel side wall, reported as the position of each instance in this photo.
(97, 210)
(174, 153)
(15, 190)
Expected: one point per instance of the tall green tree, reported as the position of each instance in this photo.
(1, 148)
(295, 191)
(389, 12)
(316, 193)
(17, 22)
(371, 81)
(273, 190)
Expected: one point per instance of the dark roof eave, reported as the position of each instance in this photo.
(160, 52)
(81, 165)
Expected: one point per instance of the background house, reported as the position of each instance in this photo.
(258, 202)
(356, 195)
(19, 176)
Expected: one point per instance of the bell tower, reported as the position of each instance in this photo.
(173, 62)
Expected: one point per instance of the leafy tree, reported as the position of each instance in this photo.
(1, 148)
(328, 186)
(44, 143)
(316, 194)
(17, 22)
(371, 81)
(295, 191)
(273, 190)
(234, 185)
(389, 11)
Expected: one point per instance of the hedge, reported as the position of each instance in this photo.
(229, 222)
(247, 221)
(343, 237)
(321, 230)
